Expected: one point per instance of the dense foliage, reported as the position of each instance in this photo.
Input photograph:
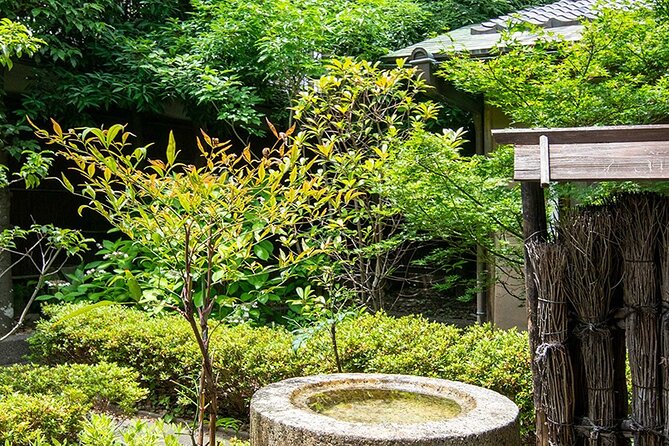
(356, 116)
(248, 358)
(216, 59)
(615, 74)
(108, 55)
(466, 200)
(52, 403)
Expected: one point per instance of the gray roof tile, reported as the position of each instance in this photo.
(561, 13)
(563, 17)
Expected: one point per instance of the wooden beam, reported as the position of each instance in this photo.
(638, 152)
(573, 135)
(639, 160)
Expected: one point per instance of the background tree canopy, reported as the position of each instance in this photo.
(223, 61)
(616, 74)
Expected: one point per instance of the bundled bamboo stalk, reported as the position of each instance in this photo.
(554, 363)
(638, 218)
(664, 318)
(587, 238)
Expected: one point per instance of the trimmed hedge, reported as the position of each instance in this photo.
(25, 419)
(161, 348)
(51, 403)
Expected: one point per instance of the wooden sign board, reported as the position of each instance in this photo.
(589, 153)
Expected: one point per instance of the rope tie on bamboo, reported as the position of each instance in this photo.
(544, 349)
(589, 328)
(596, 430)
(635, 426)
(642, 309)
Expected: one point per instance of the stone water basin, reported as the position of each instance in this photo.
(382, 410)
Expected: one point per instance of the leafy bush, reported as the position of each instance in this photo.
(103, 430)
(51, 403)
(247, 358)
(30, 418)
(124, 271)
(102, 385)
(121, 272)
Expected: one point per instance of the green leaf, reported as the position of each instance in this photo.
(113, 131)
(45, 297)
(198, 298)
(133, 286)
(67, 183)
(263, 250)
(258, 280)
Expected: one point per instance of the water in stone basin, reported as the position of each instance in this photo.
(373, 406)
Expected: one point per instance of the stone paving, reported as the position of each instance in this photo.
(184, 437)
(13, 349)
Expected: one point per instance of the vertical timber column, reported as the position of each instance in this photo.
(534, 229)
(6, 297)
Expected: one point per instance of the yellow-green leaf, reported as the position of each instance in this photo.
(247, 154)
(84, 310)
(133, 286)
(67, 183)
(56, 127)
(171, 149)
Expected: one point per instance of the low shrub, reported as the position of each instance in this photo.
(163, 351)
(26, 419)
(102, 385)
(102, 430)
(51, 403)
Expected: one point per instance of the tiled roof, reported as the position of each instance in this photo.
(562, 13)
(562, 17)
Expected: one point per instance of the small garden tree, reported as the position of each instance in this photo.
(236, 217)
(462, 199)
(47, 249)
(356, 116)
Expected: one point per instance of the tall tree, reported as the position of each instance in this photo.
(15, 41)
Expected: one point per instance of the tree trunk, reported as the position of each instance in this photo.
(6, 296)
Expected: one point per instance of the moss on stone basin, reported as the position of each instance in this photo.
(369, 405)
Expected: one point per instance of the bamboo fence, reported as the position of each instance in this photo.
(587, 237)
(603, 302)
(552, 356)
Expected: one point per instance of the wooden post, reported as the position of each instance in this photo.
(534, 229)
(6, 295)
